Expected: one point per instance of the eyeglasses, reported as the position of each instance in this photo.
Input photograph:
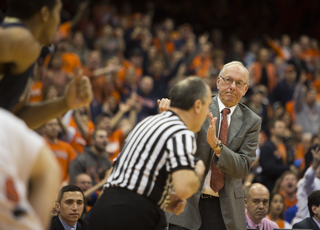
(229, 81)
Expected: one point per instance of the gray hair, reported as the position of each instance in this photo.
(235, 63)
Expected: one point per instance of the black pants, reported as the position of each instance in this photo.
(121, 209)
(211, 215)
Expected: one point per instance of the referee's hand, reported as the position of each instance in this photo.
(176, 205)
(164, 104)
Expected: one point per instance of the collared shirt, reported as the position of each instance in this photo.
(265, 224)
(316, 222)
(66, 226)
(206, 189)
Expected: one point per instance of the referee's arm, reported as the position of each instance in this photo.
(186, 182)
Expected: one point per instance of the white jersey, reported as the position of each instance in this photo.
(19, 148)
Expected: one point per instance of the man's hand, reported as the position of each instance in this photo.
(211, 134)
(124, 107)
(164, 104)
(176, 205)
(79, 91)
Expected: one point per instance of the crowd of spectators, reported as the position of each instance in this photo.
(132, 62)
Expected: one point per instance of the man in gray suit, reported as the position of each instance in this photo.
(223, 208)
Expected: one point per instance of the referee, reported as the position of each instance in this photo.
(156, 160)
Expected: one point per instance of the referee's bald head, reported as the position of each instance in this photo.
(184, 93)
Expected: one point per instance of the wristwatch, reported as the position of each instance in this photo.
(218, 147)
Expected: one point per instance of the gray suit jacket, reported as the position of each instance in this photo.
(235, 160)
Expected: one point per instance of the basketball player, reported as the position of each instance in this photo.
(28, 25)
(28, 182)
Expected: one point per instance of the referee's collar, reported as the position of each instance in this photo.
(175, 114)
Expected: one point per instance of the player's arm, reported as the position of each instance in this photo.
(77, 94)
(44, 185)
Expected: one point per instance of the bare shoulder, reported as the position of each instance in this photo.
(18, 46)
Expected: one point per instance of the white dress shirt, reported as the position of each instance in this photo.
(206, 189)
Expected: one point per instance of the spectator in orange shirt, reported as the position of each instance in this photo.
(79, 128)
(97, 77)
(56, 75)
(79, 47)
(135, 63)
(36, 88)
(66, 27)
(305, 47)
(288, 189)
(130, 84)
(164, 42)
(202, 62)
(302, 149)
(62, 150)
(70, 61)
(314, 46)
(36, 92)
(262, 72)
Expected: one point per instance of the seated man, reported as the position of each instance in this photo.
(84, 182)
(70, 205)
(312, 222)
(257, 205)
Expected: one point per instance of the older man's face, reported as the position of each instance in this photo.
(257, 204)
(231, 94)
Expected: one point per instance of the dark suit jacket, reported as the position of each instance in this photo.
(235, 161)
(272, 166)
(307, 223)
(56, 224)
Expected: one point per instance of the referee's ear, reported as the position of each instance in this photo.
(197, 106)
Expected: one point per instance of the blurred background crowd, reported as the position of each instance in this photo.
(134, 51)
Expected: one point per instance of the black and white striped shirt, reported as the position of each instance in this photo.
(155, 148)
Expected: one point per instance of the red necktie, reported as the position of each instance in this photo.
(217, 175)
